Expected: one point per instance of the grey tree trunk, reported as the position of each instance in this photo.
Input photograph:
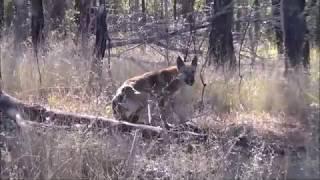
(254, 31)
(21, 28)
(57, 12)
(83, 20)
(317, 31)
(37, 24)
(96, 81)
(187, 10)
(1, 17)
(277, 25)
(143, 10)
(175, 9)
(295, 32)
(9, 13)
(220, 38)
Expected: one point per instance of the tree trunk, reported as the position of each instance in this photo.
(83, 20)
(254, 32)
(277, 25)
(9, 13)
(175, 9)
(1, 17)
(57, 13)
(37, 24)
(1, 28)
(239, 14)
(20, 35)
(187, 9)
(20, 23)
(95, 83)
(133, 6)
(295, 31)
(143, 10)
(317, 31)
(220, 38)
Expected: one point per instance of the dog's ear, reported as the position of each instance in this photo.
(130, 91)
(194, 61)
(180, 63)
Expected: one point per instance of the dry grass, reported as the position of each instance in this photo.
(266, 129)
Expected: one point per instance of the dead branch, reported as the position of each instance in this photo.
(15, 109)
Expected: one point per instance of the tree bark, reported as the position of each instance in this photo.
(175, 9)
(37, 24)
(1, 17)
(9, 9)
(277, 25)
(144, 13)
(317, 31)
(82, 18)
(95, 83)
(295, 31)
(57, 13)
(220, 38)
(20, 28)
(187, 10)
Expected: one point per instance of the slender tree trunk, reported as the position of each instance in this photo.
(20, 22)
(1, 28)
(254, 31)
(277, 25)
(239, 14)
(9, 9)
(175, 9)
(82, 18)
(220, 38)
(57, 13)
(143, 10)
(37, 26)
(20, 35)
(1, 17)
(317, 31)
(96, 80)
(187, 10)
(295, 31)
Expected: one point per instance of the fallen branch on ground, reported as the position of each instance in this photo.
(18, 111)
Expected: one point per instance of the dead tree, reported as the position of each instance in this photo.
(295, 31)
(95, 80)
(220, 38)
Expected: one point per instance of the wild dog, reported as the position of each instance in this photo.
(132, 97)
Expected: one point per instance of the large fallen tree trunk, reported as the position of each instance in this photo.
(19, 111)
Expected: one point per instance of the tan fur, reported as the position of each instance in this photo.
(132, 97)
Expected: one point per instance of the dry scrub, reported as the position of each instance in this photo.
(264, 128)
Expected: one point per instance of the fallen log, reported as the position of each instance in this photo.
(19, 111)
